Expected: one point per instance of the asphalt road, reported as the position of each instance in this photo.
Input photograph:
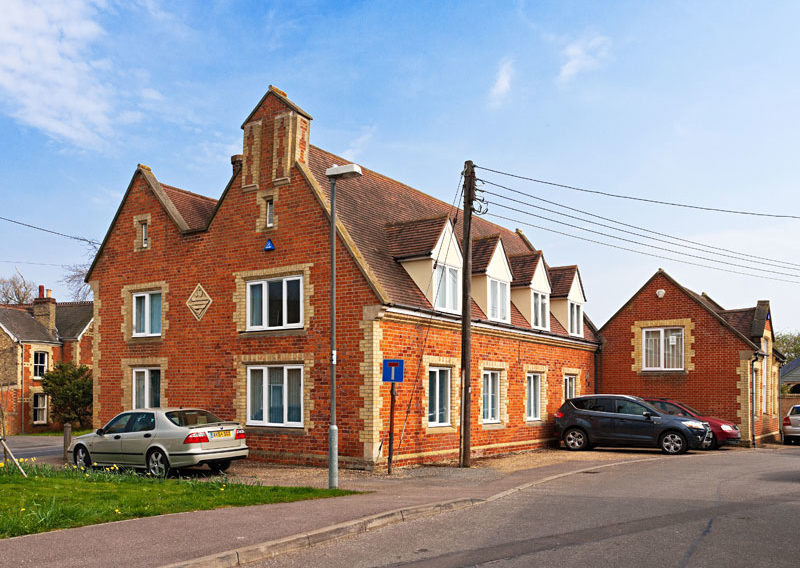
(35, 446)
(726, 509)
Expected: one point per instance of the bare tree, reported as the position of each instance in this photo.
(16, 290)
(75, 276)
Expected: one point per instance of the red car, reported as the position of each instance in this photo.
(724, 432)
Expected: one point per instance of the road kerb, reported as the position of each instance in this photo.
(265, 550)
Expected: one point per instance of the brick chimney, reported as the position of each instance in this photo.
(44, 309)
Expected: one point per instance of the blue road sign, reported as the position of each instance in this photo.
(392, 370)
(269, 245)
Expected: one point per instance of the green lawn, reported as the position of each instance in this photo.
(62, 498)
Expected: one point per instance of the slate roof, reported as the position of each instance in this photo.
(22, 326)
(741, 320)
(789, 367)
(71, 319)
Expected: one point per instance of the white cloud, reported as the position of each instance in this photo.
(582, 55)
(53, 79)
(44, 76)
(499, 93)
(356, 147)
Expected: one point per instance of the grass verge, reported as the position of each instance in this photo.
(74, 433)
(54, 498)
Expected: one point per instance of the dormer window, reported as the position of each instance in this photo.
(541, 312)
(446, 295)
(575, 319)
(498, 300)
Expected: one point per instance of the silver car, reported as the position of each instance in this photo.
(158, 439)
(791, 425)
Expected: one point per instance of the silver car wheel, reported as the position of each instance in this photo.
(575, 439)
(672, 443)
(81, 457)
(157, 464)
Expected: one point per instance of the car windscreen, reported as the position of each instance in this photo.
(692, 410)
(795, 410)
(192, 417)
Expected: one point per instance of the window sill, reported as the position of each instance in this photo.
(534, 422)
(146, 338)
(441, 429)
(260, 430)
(281, 332)
(657, 373)
(493, 425)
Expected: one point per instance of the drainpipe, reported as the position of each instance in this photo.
(756, 356)
(22, 392)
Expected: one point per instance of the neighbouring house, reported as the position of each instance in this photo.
(790, 375)
(224, 304)
(33, 337)
(668, 341)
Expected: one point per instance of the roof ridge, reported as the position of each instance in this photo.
(486, 237)
(563, 267)
(738, 310)
(76, 303)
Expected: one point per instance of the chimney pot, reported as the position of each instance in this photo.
(41, 290)
(49, 293)
(236, 161)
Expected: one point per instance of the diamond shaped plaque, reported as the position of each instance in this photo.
(199, 302)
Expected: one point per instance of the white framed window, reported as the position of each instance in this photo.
(662, 349)
(147, 314)
(569, 386)
(39, 408)
(270, 212)
(275, 395)
(439, 397)
(541, 312)
(491, 396)
(533, 396)
(147, 388)
(498, 300)
(275, 304)
(575, 319)
(39, 364)
(447, 296)
(145, 236)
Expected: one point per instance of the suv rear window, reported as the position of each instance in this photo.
(192, 417)
(594, 404)
(795, 410)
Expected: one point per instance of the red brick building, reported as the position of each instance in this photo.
(193, 308)
(668, 341)
(33, 338)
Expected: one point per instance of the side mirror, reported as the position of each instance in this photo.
(99, 432)
(647, 415)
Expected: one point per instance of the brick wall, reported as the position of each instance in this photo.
(717, 363)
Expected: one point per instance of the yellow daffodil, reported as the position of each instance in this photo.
(22, 509)
(117, 511)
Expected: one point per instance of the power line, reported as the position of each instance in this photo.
(640, 251)
(81, 239)
(761, 262)
(637, 242)
(34, 263)
(656, 201)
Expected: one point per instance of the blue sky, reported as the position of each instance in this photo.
(678, 101)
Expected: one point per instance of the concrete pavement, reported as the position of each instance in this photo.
(223, 537)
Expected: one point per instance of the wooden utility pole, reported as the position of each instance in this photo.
(466, 316)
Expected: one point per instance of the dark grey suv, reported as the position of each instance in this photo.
(621, 420)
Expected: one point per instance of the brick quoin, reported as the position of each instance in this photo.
(203, 362)
(716, 380)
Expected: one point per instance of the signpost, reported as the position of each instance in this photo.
(392, 373)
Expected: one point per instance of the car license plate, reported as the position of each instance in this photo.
(221, 434)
